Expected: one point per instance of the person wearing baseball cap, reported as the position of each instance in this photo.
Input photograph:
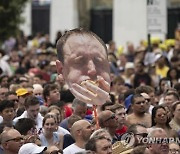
(31, 148)
(22, 93)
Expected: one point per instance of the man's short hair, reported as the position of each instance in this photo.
(6, 104)
(115, 107)
(91, 144)
(134, 97)
(144, 89)
(5, 125)
(118, 79)
(77, 102)
(78, 31)
(175, 94)
(23, 125)
(99, 132)
(107, 104)
(72, 119)
(31, 101)
(153, 131)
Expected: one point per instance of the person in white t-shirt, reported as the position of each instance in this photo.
(32, 107)
(81, 131)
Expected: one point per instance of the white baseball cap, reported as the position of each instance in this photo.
(31, 148)
(157, 57)
(129, 65)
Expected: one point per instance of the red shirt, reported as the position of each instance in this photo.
(68, 111)
(122, 130)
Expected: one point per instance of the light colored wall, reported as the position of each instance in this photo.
(130, 22)
(26, 26)
(63, 16)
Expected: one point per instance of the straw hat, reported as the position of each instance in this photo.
(121, 147)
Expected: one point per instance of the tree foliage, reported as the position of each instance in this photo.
(10, 17)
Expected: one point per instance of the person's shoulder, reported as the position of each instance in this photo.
(64, 121)
(40, 116)
(130, 119)
(63, 130)
(147, 115)
(23, 115)
(68, 149)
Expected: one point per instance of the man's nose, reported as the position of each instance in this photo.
(163, 115)
(36, 114)
(110, 150)
(143, 104)
(91, 68)
(48, 126)
(123, 115)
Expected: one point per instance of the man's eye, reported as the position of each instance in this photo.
(98, 59)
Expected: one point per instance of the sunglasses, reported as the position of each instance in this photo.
(142, 134)
(57, 152)
(17, 139)
(112, 117)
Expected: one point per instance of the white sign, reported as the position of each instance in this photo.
(156, 16)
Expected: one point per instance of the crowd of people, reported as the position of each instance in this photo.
(93, 98)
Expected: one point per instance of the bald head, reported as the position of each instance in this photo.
(103, 116)
(157, 132)
(79, 127)
(9, 134)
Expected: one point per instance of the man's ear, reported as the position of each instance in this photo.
(132, 106)
(5, 145)
(59, 67)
